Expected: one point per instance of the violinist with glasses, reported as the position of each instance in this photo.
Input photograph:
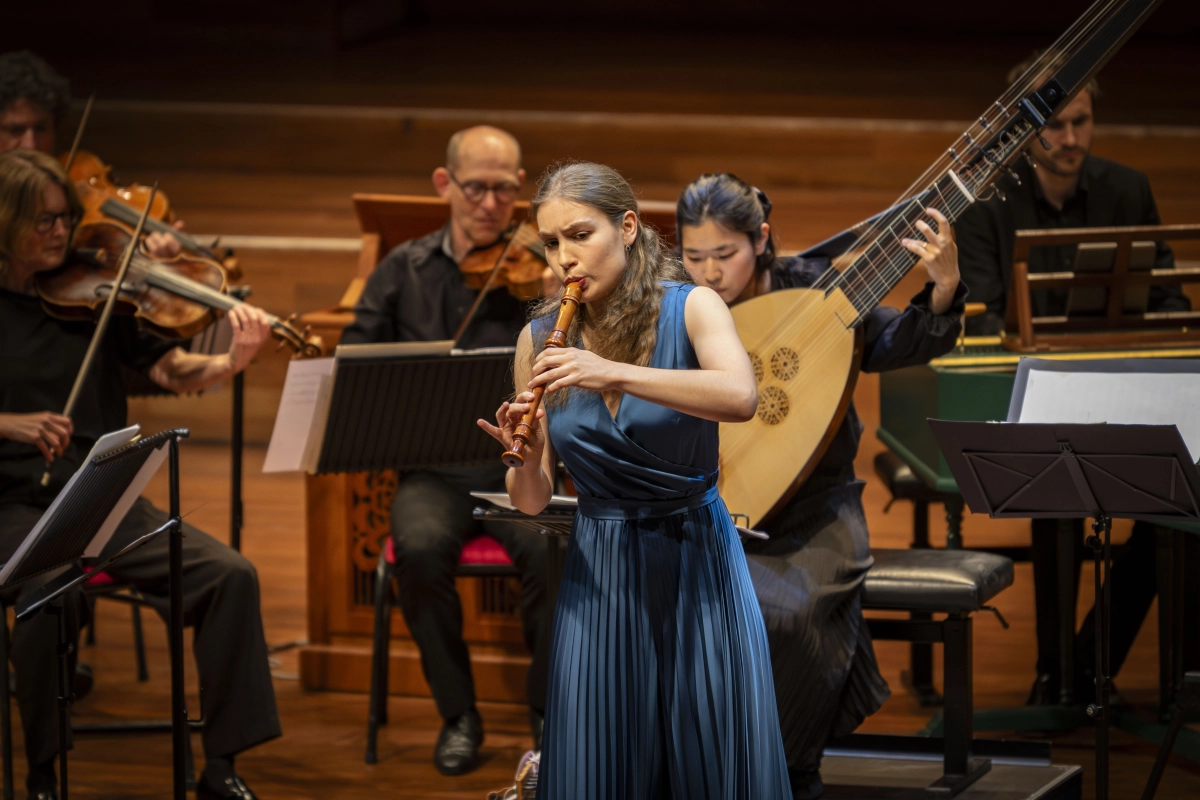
(39, 357)
(34, 100)
(419, 292)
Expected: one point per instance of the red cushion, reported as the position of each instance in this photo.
(99, 578)
(480, 550)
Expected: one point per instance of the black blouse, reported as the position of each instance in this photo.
(417, 294)
(39, 358)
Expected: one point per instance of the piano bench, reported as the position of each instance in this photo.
(905, 485)
(956, 583)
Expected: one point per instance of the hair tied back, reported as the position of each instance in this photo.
(763, 201)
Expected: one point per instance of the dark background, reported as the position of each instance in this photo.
(927, 59)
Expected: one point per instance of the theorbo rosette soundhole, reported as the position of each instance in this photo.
(773, 401)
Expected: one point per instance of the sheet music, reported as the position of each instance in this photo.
(1124, 398)
(388, 350)
(104, 445)
(558, 502)
(302, 411)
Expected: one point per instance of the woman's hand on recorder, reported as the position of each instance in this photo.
(529, 487)
(508, 415)
(559, 367)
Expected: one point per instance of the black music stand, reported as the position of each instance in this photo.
(1055, 471)
(61, 540)
(392, 410)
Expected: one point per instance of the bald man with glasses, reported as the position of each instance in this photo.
(417, 293)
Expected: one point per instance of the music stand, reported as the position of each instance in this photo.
(61, 539)
(1076, 470)
(389, 409)
(554, 522)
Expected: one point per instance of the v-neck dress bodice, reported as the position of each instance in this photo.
(647, 458)
(660, 677)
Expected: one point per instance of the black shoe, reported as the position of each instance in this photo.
(1044, 691)
(84, 679)
(42, 780)
(231, 789)
(806, 784)
(457, 750)
(537, 721)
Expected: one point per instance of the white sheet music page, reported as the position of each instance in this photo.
(1120, 398)
(296, 422)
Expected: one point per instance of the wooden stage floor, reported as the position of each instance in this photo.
(320, 754)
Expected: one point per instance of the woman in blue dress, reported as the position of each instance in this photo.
(660, 677)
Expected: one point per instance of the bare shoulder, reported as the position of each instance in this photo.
(525, 339)
(523, 358)
(704, 306)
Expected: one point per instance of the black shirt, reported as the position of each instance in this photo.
(1108, 194)
(417, 294)
(39, 358)
(892, 339)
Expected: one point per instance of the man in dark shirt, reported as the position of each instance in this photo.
(417, 293)
(39, 358)
(1065, 187)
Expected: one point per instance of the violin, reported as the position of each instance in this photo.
(175, 299)
(104, 200)
(517, 259)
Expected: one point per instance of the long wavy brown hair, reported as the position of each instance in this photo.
(627, 330)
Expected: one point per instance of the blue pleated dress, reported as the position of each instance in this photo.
(660, 677)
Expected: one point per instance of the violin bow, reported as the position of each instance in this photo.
(87, 112)
(462, 327)
(105, 316)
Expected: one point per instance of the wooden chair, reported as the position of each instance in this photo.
(481, 557)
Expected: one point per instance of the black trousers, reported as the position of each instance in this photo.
(1134, 586)
(221, 604)
(432, 518)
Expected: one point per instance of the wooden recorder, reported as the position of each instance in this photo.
(514, 457)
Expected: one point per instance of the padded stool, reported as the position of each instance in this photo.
(481, 556)
(956, 583)
(904, 485)
(103, 585)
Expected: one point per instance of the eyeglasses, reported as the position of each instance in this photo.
(46, 222)
(475, 191)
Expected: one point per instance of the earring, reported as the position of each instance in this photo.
(628, 248)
